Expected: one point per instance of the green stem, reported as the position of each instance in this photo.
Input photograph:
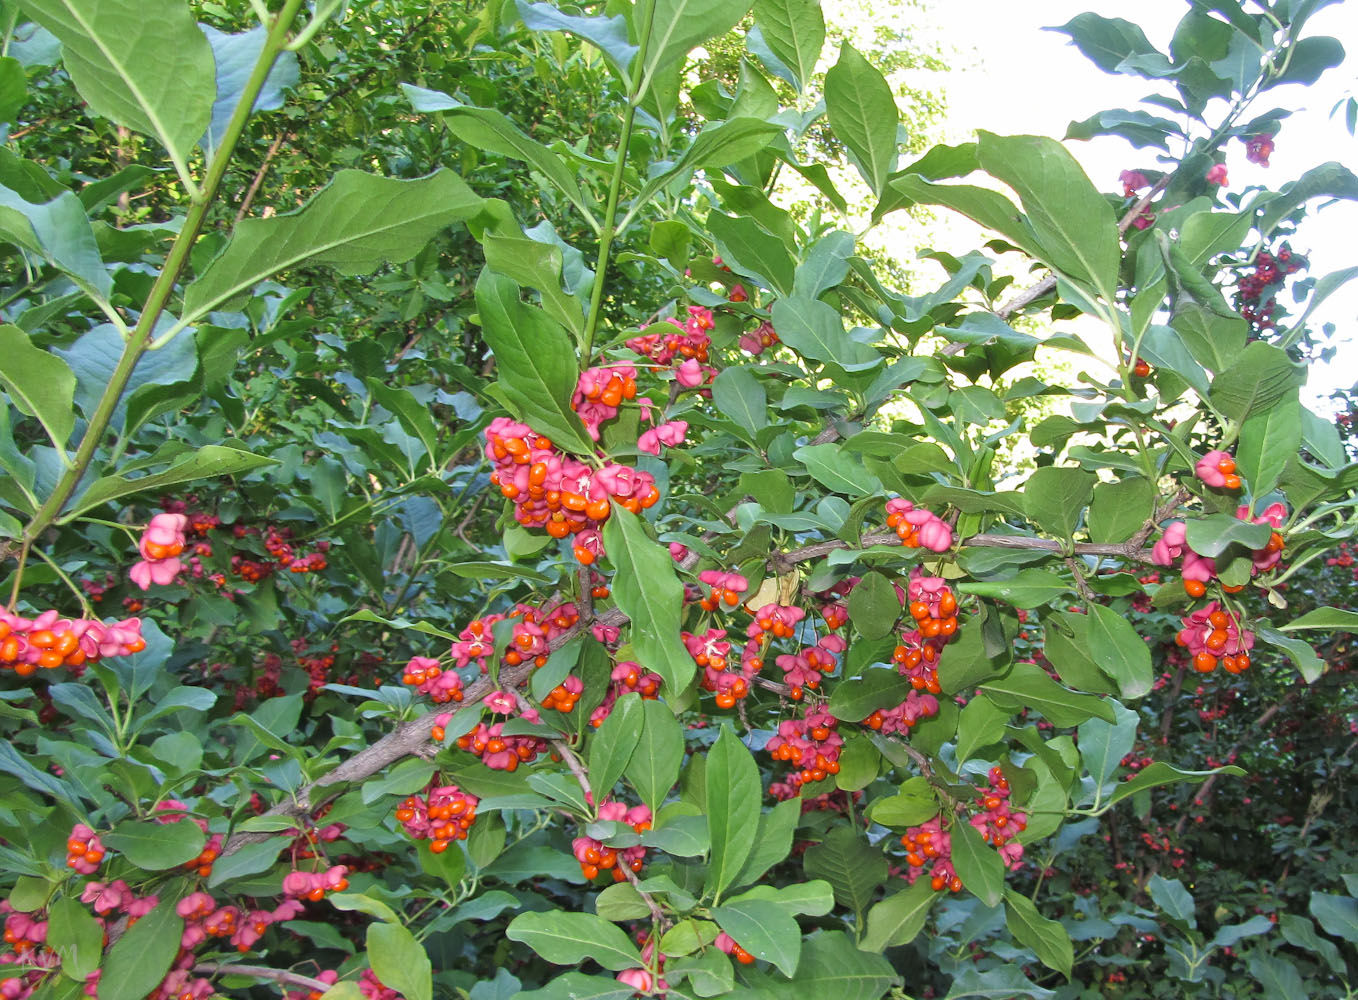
(85, 608)
(610, 228)
(163, 289)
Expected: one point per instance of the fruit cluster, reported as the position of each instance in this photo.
(443, 815)
(996, 823)
(50, 641)
(84, 851)
(1212, 635)
(917, 527)
(810, 744)
(595, 857)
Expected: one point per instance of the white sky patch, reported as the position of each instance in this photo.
(1011, 77)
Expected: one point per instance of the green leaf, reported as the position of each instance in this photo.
(1214, 534)
(751, 250)
(1106, 41)
(1047, 938)
(1160, 773)
(978, 864)
(569, 938)
(1301, 933)
(577, 985)
(1074, 224)
(709, 973)
(733, 808)
(354, 224)
(863, 114)
(765, 929)
(1029, 588)
(815, 330)
(1173, 900)
(1055, 497)
(1278, 977)
(400, 961)
(413, 415)
(717, 144)
(351, 902)
(646, 589)
(854, 699)
(1325, 618)
(141, 63)
(39, 383)
(983, 206)
(1261, 375)
(1103, 744)
(248, 860)
(654, 767)
(1268, 439)
(1337, 914)
(1028, 686)
(13, 88)
(235, 57)
(1214, 341)
(838, 469)
(912, 805)
(898, 918)
(74, 935)
(825, 266)
(613, 743)
(1120, 652)
(205, 463)
(738, 394)
(682, 836)
(981, 723)
(794, 31)
(621, 902)
(58, 231)
(1004, 983)
(1120, 509)
(874, 606)
(772, 840)
(534, 360)
(1301, 653)
(678, 25)
(156, 846)
(141, 957)
(492, 131)
(853, 868)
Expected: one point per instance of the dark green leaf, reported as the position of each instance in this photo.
(570, 938)
(142, 956)
(156, 846)
(898, 918)
(1268, 439)
(854, 699)
(815, 330)
(73, 934)
(648, 592)
(853, 868)
(765, 929)
(1173, 900)
(733, 808)
(1029, 588)
(753, 251)
(795, 32)
(654, 767)
(1046, 937)
(862, 112)
(1055, 497)
(400, 961)
(739, 395)
(1120, 509)
(1120, 652)
(978, 864)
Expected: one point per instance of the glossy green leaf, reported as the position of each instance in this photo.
(1173, 900)
(400, 961)
(795, 32)
(1338, 915)
(1104, 744)
(156, 846)
(1046, 937)
(142, 956)
(251, 859)
(577, 985)
(1261, 375)
(534, 360)
(654, 767)
(837, 469)
(157, 79)
(38, 382)
(765, 929)
(570, 938)
(862, 112)
(1029, 588)
(874, 606)
(59, 232)
(717, 144)
(1160, 773)
(733, 807)
(648, 592)
(754, 251)
(1106, 41)
(1268, 439)
(608, 34)
(978, 864)
(74, 935)
(1327, 619)
(772, 840)
(1074, 224)
(1120, 509)
(1120, 651)
(981, 723)
(738, 394)
(1055, 497)
(207, 462)
(853, 867)
(1028, 686)
(815, 330)
(354, 224)
(897, 919)
(614, 742)
(234, 58)
(982, 205)
(1212, 535)
(678, 25)
(1301, 653)
(854, 699)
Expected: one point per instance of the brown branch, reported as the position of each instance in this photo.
(261, 972)
(253, 189)
(1122, 550)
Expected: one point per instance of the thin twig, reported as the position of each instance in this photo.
(261, 972)
(259, 176)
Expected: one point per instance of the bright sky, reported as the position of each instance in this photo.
(1012, 77)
